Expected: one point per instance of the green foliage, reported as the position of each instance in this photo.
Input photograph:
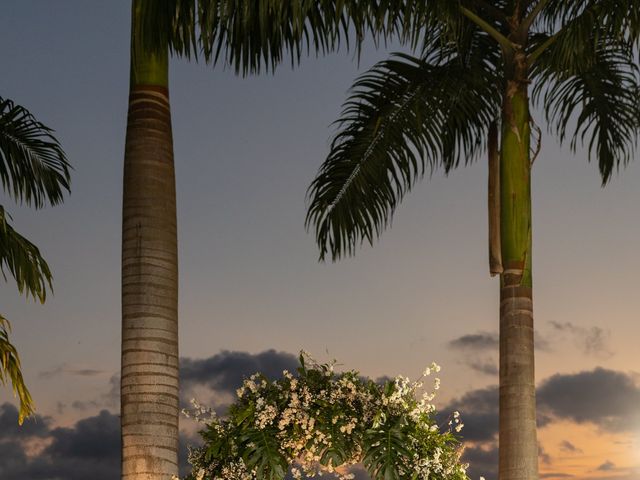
(410, 112)
(10, 371)
(598, 96)
(403, 115)
(33, 170)
(622, 20)
(23, 260)
(320, 421)
(256, 35)
(33, 167)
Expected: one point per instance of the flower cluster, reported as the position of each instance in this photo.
(320, 421)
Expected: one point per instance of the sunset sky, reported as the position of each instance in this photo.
(252, 293)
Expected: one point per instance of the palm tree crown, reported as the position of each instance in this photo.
(33, 170)
(410, 113)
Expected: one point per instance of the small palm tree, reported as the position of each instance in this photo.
(469, 90)
(33, 170)
(250, 36)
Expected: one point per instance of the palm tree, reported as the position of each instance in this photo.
(467, 90)
(250, 36)
(33, 170)
(149, 366)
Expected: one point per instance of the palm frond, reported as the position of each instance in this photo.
(23, 261)
(171, 23)
(568, 41)
(255, 35)
(33, 166)
(10, 371)
(618, 20)
(260, 34)
(403, 115)
(601, 95)
(560, 12)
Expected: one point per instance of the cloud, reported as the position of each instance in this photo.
(69, 370)
(109, 399)
(226, 370)
(479, 412)
(543, 455)
(477, 341)
(568, 447)
(92, 438)
(606, 398)
(487, 367)
(476, 347)
(36, 426)
(80, 405)
(483, 461)
(591, 341)
(214, 380)
(606, 466)
(89, 449)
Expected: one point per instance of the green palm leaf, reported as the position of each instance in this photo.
(23, 260)
(33, 167)
(252, 35)
(599, 90)
(403, 115)
(172, 23)
(10, 371)
(623, 20)
(255, 34)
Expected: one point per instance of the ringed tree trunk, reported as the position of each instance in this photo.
(149, 374)
(518, 447)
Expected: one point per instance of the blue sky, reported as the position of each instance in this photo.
(246, 150)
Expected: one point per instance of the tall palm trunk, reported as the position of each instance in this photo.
(149, 376)
(517, 434)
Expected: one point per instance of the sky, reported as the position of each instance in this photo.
(252, 293)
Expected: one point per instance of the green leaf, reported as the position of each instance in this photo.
(261, 452)
(23, 261)
(10, 370)
(33, 167)
(593, 99)
(402, 116)
(244, 414)
(384, 448)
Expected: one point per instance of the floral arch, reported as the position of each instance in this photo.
(325, 422)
